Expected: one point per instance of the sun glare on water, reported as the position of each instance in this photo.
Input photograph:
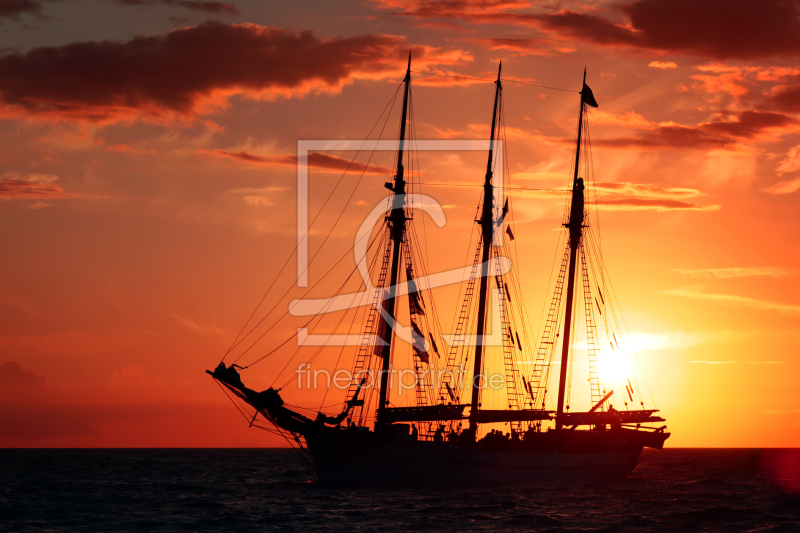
(614, 367)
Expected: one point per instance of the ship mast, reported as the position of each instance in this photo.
(487, 232)
(575, 226)
(397, 219)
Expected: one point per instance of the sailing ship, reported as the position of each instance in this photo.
(442, 438)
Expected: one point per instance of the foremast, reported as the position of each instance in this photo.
(575, 226)
(487, 235)
(397, 219)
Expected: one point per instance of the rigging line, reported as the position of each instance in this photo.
(440, 184)
(636, 354)
(312, 288)
(505, 80)
(275, 431)
(232, 401)
(313, 257)
(350, 331)
(341, 351)
(288, 259)
(309, 321)
(524, 315)
(319, 316)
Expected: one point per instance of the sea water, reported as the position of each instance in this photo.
(276, 490)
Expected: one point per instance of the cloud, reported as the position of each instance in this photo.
(662, 65)
(128, 149)
(719, 29)
(739, 272)
(784, 187)
(199, 327)
(746, 126)
(14, 374)
(639, 341)
(730, 82)
(190, 71)
(637, 204)
(629, 119)
(318, 160)
(211, 7)
(647, 189)
(518, 47)
(14, 8)
(785, 98)
(791, 162)
(215, 8)
(735, 301)
(31, 186)
(734, 362)
(626, 196)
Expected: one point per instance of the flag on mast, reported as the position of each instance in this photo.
(587, 96)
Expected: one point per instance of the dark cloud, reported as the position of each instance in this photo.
(14, 374)
(194, 70)
(315, 160)
(15, 8)
(30, 189)
(215, 8)
(719, 29)
(721, 134)
(786, 99)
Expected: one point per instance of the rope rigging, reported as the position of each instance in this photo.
(523, 356)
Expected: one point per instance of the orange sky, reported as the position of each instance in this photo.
(148, 185)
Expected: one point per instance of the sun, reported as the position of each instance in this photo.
(614, 367)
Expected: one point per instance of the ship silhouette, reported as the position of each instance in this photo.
(449, 436)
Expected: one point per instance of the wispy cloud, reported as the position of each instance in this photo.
(734, 362)
(784, 187)
(318, 160)
(31, 186)
(735, 301)
(638, 204)
(662, 64)
(791, 162)
(198, 326)
(739, 272)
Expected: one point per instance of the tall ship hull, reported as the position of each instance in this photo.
(445, 431)
(364, 459)
(426, 463)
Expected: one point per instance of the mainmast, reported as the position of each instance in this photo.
(397, 219)
(487, 233)
(575, 226)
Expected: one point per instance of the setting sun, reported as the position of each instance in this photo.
(614, 367)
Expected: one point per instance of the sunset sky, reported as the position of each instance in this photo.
(148, 191)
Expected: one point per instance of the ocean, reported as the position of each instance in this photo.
(241, 490)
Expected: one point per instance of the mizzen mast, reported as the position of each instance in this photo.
(487, 235)
(397, 219)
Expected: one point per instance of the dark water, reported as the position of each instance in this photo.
(274, 490)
